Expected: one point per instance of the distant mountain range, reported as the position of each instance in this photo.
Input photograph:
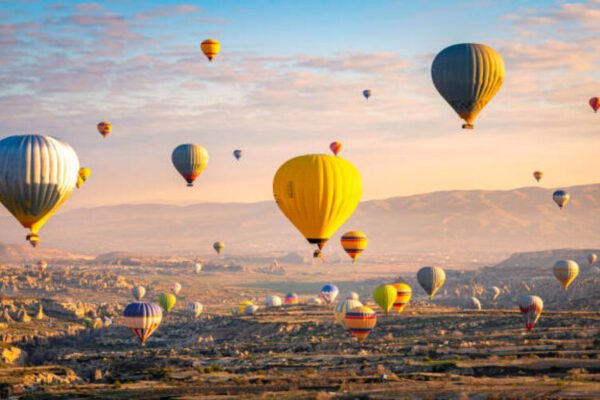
(432, 225)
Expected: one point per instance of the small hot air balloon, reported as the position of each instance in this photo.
(197, 268)
(84, 174)
(335, 147)
(339, 313)
(531, 307)
(42, 265)
(566, 271)
(37, 175)
(190, 160)
(431, 279)
(237, 154)
(250, 309)
(315, 301)
(167, 301)
(328, 293)
(273, 301)
(561, 198)
(367, 93)
(195, 309)
(594, 103)
(592, 258)
(317, 193)
(385, 296)
(538, 175)
(354, 243)
(404, 294)
(468, 76)
(494, 292)
(360, 321)
(352, 296)
(138, 292)
(243, 305)
(290, 299)
(218, 246)
(143, 319)
(473, 303)
(176, 288)
(210, 48)
(104, 128)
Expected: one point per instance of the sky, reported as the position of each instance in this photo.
(288, 81)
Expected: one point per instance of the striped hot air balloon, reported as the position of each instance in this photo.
(360, 321)
(328, 293)
(531, 307)
(354, 243)
(431, 279)
(190, 160)
(403, 297)
(210, 48)
(143, 319)
(339, 313)
(195, 308)
(290, 299)
(566, 271)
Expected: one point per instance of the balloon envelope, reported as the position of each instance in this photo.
(431, 279)
(237, 154)
(143, 319)
(210, 48)
(138, 292)
(531, 307)
(273, 301)
(592, 258)
(366, 93)
(167, 301)
(385, 296)
(403, 297)
(594, 103)
(565, 272)
(176, 288)
(538, 175)
(218, 246)
(335, 147)
(328, 293)
(195, 309)
(354, 243)
(561, 198)
(343, 307)
(105, 128)
(290, 299)
(360, 322)
(189, 160)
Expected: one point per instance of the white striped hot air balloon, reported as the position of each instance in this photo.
(566, 271)
(190, 160)
(195, 308)
(531, 307)
(37, 175)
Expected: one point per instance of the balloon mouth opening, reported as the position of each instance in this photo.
(468, 126)
(318, 242)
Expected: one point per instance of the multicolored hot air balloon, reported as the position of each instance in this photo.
(494, 292)
(404, 294)
(218, 246)
(328, 293)
(190, 160)
(210, 48)
(84, 174)
(42, 265)
(531, 307)
(385, 296)
(273, 301)
(538, 175)
(366, 93)
(473, 303)
(431, 279)
(354, 243)
(37, 175)
(561, 198)
(243, 305)
(290, 299)
(360, 322)
(104, 128)
(197, 268)
(143, 319)
(594, 103)
(592, 258)
(167, 301)
(340, 310)
(195, 309)
(237, 154)
(335, 147)
(317, 193)
(566, 271)
(468, 76)
(138, 292)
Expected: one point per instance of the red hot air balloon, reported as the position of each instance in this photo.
(335, 147)
(595, 103)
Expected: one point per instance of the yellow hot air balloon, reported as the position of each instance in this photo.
(190, 160)
(404, 295)
(468, 76)
(317, 193)
(218, 246)
(210, 48)
(385, 296)
(354, 243)
(566, 271)
(242, 306)
(37, 175)
(82, 176)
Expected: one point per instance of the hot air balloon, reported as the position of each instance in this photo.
(42, 265)
(473, 303)
(290, 299)
(340, 310)
(592, 258)
(595, 270)
(190, 160)
(250, 309)
(37, 175)
(237, 154)
(468, 76)
(104, 128)
(315, 301)
(352, 296)
(273, 301)
(385, 296)
(176, 288)
(561, 198)
(538, 175)
(197, 268)
(138, 292)
(328, 293)
(143, 319)
(566, 271)
(335, 147)
(360, 321)
(218, 246)
(367, 93)
(167, 301)
(531, 307)
(594, 103)
(317, 193)
(494, 292)
(431, 279)
(195, 309)
(82, 176)
(243, 305)
(210, 48)
(404, 294)
(354, 243)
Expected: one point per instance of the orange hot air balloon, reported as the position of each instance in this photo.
(335, 147)
(360, 321)
(403, 297)
(538, 175)
(595, 103)
(210, 48)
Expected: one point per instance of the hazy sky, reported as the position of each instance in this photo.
(288, 81)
